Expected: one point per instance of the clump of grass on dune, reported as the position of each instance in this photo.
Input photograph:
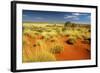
(56, 49)
(71, 40)
(38, 55)
(43, 56)
(29, 33)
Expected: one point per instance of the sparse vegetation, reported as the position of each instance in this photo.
(55, 42)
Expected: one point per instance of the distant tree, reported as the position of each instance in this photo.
(67, 23)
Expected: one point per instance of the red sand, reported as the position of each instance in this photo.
(77, 51)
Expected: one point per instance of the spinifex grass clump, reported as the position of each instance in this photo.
(43, 56)
(38, 53)
(56, 49)
(87, 41)
(71, 40)
(39, 56)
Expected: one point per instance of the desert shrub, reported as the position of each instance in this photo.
(34, 45)
(89, 30)
(53, 33)
(64, 28)
(39, 42)
(67, 35)
(42, 56)
(29, 33)
(87, 41)
(39, 31)
(46, 37)
(48, 30)
(44, 34)
(56, 49)
(71, 40)
(68, 32)
(36, 33)
(52, 40)
(86, 36)
(58, 31)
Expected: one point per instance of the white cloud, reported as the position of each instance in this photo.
(78, 14)
(74, 16)
(66, 17)
(71, 17)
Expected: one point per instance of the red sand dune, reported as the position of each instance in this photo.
(77, 51)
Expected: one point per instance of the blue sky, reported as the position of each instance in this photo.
(55, 17)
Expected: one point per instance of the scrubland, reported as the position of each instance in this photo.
(43, 42)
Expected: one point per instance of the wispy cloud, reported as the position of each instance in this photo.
(71, 17)
(74, 16)
(78, 14)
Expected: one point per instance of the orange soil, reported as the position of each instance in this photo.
(77, 51)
